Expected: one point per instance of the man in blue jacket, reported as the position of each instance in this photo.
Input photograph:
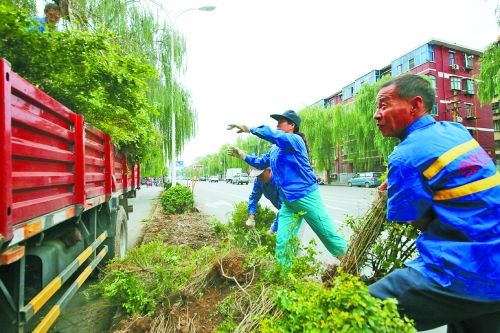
(441, 181)
(263, 184)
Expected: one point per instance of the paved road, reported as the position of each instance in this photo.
(218, 199)
(143, 205)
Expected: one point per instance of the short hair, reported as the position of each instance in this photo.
(411, 85)
(51, 6)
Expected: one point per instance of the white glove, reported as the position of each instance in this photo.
(241, 128)
(236, 152)
(250, 223)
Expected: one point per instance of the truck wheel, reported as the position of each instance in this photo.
(117, 244)
(367, 185)
(349, 184)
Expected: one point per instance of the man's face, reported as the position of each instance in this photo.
(265, 176)
(394, 114)
(53, 15)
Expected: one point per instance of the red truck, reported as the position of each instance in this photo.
(63, 203)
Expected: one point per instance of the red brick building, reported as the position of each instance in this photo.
(453, 70)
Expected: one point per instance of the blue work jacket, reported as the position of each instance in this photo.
(439, 169)
(289, 162)
(270, 191)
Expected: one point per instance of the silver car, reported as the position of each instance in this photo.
(366, 179)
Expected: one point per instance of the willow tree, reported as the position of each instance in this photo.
(489, 75)
(317, 123)
(93, 76)
(144, 34)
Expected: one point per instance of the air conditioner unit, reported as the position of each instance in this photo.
(454, 67)
(459, 119)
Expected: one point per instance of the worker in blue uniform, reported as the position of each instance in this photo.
(289, 162)
(52, 14)
(263, 185)
(441, 181)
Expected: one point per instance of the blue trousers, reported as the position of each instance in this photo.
(431, 305)
(311, 209)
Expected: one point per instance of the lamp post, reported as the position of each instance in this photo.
(172, 35)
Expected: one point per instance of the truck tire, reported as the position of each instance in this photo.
(117, 244)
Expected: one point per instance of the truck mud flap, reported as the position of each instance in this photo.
(30, 309)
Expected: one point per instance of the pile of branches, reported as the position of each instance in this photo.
(364, 237)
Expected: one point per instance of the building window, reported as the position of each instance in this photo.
(399, 69)
(468, 64)
(456, 83)
(495, 107)
(468, 111)
(411, 63)
(434, 110)
(451, 56)
(469, 86)
(432, 78)
(496, 125)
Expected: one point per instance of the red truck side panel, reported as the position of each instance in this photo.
(94, 162)
(5, 154)
(51, 159)
(43, 159)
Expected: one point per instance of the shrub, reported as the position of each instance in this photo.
(244, 237)
(177, 199)
(347, 307)
(154, 274)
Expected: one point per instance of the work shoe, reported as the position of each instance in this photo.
(250, 223)
(271, 232)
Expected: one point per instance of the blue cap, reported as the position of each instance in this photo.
(289, 115)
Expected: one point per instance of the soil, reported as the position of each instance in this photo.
(194, 315)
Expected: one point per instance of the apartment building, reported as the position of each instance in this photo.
(452, 70)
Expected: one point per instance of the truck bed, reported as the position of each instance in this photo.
(52, 161)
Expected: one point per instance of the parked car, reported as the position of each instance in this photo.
(366, 179)
(241, 178)
(213, 179)
(203, 179)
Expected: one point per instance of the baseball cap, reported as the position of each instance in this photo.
(290, 115)
(256, 172)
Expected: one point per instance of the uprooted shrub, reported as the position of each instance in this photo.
(346, 307)
(155, 274)
(262, 295)
(177, 199)
(241, 235)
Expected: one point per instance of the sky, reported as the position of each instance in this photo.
(249, 59)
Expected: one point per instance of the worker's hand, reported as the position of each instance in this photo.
(241, 128)
(250, 222)
(236, 152)
(382, 189)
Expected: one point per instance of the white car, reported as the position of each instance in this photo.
(213, 179)
(241, 178)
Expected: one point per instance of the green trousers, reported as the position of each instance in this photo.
(311, 209)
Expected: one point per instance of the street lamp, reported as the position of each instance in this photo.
(172, 35)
